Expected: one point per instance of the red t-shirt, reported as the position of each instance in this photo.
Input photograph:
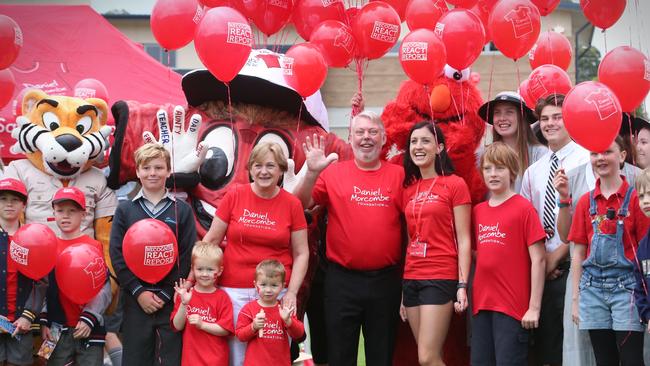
(272, 346)
(258, 228)
(635, 224)
(72, 310)
(12, 286)
(200, 347)
(364, 207)
(435, 225)
(503, 235)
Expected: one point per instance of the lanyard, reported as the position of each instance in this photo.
(418, 218)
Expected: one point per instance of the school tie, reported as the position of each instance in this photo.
(549, 200)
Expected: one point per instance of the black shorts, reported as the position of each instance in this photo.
(428, 292)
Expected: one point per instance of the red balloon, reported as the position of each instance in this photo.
(463, 35)
(546, 7)
(423, 56)
(514, 27)
(398, 5)
(7, 86)
(11, 41)
(523, 91)
(376, 29)
(150, 250)
(173, 22)
(223, 42)
(551, 48)
(304, 68)
(32, 249)
(482, 9)
(335, 42)
(271, 15)
(463, 3)
(424, 13)
(589, 107)
(603, 13)
(626, 71)
(546, 80)
(80, 272)
(310, 13)
(91, 88)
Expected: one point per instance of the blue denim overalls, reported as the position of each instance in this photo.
(607, 282)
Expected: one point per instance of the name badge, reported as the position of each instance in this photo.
(418, 248)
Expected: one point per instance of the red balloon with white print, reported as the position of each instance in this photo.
(33, 250)
(591, 106)
(80, 272)
(150, 250)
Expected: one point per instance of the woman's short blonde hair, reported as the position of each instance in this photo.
(261, 149)
(151, 151)
(498, 153)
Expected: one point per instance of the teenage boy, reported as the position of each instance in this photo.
(537, 186)
(20, 298)
(82, 327)
(146, 332)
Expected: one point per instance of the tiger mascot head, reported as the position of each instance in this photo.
(61, 135)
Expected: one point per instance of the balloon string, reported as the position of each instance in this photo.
(485, 140)
(231, 117)
(295, 140)
(605, 39)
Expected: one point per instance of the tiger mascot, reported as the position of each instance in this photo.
(61, 138)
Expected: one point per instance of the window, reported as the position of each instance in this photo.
(167, 58)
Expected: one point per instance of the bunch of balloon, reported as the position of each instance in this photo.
(11, 42)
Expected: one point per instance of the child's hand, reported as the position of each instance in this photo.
(285, 313)
(22, 326)
(81, 331)
(149, 302)
(195, 320)
(575, 312)
(184, 291)
(561, 183)
(530, 319)
(259, 321)
(45, 333)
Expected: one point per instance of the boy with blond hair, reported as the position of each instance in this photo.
(266, 324)
(146, 332)
(204, 312)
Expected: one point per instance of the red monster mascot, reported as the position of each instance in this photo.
(452, 102)
(209, 154)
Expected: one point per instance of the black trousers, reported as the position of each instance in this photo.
(548, 338)
(614, 348)
(361, 300)
(149, 339)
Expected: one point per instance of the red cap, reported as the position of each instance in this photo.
(70, 193)
(13, 185)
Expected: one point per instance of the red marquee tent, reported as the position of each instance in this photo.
(65, 44)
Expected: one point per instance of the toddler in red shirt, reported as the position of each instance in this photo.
(203, 312)
(266, 324)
